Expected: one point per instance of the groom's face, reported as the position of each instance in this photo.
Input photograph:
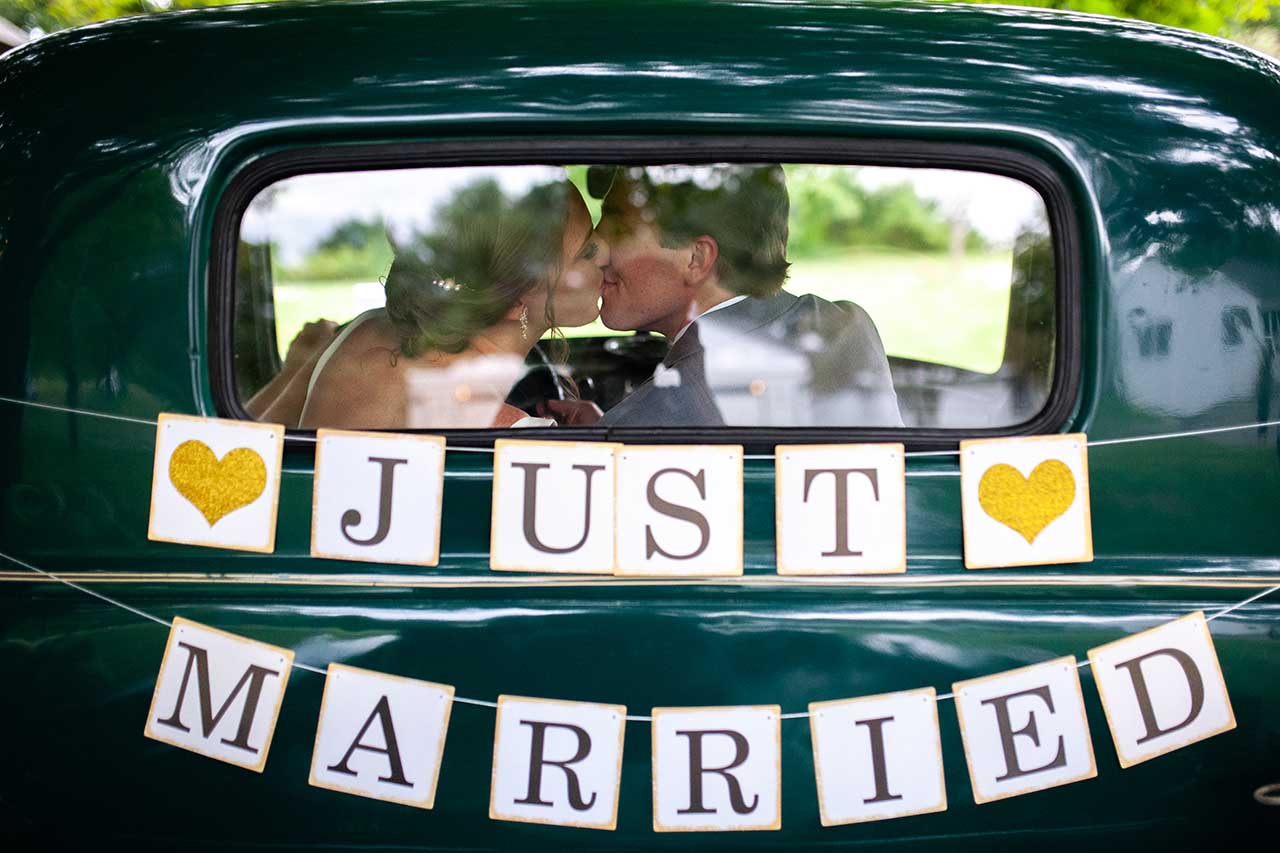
(645, 283)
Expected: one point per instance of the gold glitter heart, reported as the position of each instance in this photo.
(217, 486)
(1027, 504)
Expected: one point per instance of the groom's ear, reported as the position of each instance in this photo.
(702, 258)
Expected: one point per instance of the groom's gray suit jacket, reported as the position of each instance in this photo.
(838, 373)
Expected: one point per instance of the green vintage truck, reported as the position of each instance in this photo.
(1045, 223)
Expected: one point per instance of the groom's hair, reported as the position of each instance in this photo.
(743, 206)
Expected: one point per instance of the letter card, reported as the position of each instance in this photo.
(557, 762)
(553, 506)
(841, 509)
(216, 483)
(218, 694)
(381, 736)
(1024, 730)
(1162, 689)
(878, 757)
(717, 768)
(377, 497)
(679, 510)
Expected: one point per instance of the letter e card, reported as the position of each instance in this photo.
(1024, 730)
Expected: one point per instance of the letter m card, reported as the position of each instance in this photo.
(1162, 689)
(218, 694)
(553, 507)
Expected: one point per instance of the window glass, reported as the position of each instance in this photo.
(711, 295)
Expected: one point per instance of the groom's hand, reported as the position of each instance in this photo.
(571, 412)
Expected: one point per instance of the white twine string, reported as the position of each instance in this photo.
(1103, 442)
(483, 703)
(797, 715)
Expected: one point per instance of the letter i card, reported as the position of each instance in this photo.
(377, 497)
(218, 694)
(553, 507)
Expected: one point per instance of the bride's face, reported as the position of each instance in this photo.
(585, 255)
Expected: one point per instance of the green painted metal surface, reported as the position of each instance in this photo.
(116, 144)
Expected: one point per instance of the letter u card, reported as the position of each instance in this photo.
(557, 762)
(216, 483)
(218, 694)
(553, 507)
(377, 497)
(679, 510)
(1025, 501)
(381, 736)
(1162, 689)
(717, 768)
(841, 509)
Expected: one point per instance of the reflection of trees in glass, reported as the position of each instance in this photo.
(354, 249)
(832, 212)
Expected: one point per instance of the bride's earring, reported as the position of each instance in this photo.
(524, 323)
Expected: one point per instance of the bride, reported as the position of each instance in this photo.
(460, 318)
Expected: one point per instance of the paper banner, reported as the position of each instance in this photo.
(841, 509)
(557, 762)
(553, 507)
(377, 497)
(1024, 730)
(878, 757)
(1162, 689)
(381, 736)
(679, 510)
(717, 768)
(218, 694)
(1025, 501)
(216, 483)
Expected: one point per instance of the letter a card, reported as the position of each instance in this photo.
(841, 509)
(679, 510)
(381, 736)
(1025, 501)
(878, 757)
(717, 769)
(216, 483)
(377, 497)
(557, 762)
(1024, 730)
(553, 507)
(218, 694)
(1162, 689)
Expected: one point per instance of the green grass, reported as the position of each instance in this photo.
(927, 307)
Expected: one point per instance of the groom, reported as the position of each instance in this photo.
(698, 255)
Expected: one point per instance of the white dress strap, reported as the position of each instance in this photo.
(337, 342)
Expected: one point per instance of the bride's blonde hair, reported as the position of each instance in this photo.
(484, 255)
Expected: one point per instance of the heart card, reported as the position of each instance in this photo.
(216, 483)
(1025, 501)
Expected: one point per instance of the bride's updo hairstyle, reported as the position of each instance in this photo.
(486, 252)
